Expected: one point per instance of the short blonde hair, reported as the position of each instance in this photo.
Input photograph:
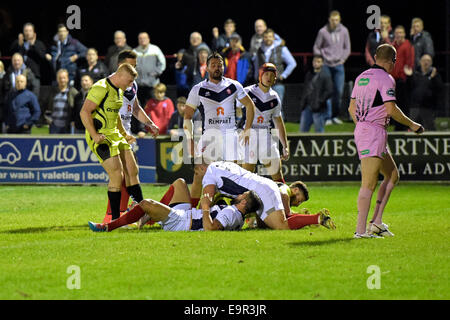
(334, 13)
(161, 87)
(385, 16)
(92, 49)
(385, 52)
(128, 68)
(416, 19)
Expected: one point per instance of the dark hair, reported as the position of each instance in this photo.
(126, 54)
(302, 187)
(268, 30)
(254, 202)
(229, 21)
(87, 75)
(61, 25)
(318, 56)
(181, 99)
(29, 24)
(214, 55)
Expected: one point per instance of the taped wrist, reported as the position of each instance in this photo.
(187, 127)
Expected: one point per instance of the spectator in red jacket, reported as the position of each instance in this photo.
(160, 108)
(405, 58)
(405, 53)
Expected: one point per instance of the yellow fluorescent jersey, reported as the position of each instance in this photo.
(222, 199)
(109, 100)
(284, 188)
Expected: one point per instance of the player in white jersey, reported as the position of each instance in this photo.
(230, 179)
(264, 142)
(215, 97)
(131, 107)
(180, 216)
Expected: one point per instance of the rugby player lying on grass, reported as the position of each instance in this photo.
(230, 179)
(180, 216)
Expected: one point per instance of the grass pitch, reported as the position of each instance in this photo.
(44, 237)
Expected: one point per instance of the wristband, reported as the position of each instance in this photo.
(420, 130)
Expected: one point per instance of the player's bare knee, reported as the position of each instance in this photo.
(395, 176)
(147, 204)
(144, 204)
(371, 185)
(116, 178)
(179, 181)
(133, 171)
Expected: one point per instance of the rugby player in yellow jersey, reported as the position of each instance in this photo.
(131, 108)
(105, 134)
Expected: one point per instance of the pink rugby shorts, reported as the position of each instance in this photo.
(371, 140)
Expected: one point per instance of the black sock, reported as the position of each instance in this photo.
(114, 201)
(135, 193)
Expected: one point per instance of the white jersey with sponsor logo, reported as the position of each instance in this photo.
(263, 144)
(268, 106)
(216, 102)
(233, 180)
(126, 112)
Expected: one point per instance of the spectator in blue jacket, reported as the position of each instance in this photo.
(238, 62)
(22, 108)
(180, 75)
(221, 41)
(257, 39)
(66, 51)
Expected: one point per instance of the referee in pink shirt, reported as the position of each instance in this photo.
(372, 104)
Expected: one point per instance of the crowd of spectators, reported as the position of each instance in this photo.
(71, 68)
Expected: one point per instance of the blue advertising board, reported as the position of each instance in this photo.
(62, 160)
